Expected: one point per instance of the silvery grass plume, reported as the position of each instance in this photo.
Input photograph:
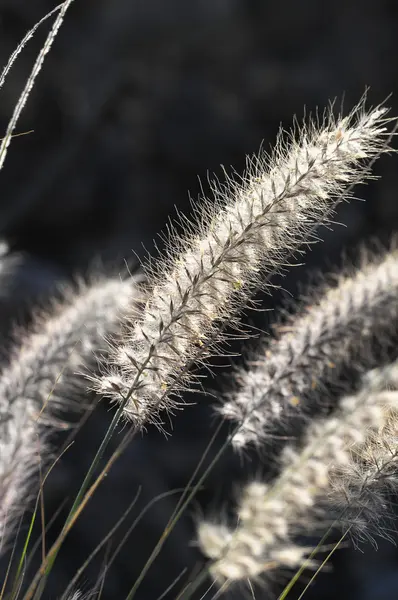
(244, 237)
(38, 382)
(271, 516)
(291, 378)
(362, 490)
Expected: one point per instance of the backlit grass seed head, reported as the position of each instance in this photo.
(363, 490)
(289, 376)
(244, 236)
(271, 516)
(32, 386)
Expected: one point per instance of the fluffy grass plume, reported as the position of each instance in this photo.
(270, 516)
(38, 382)
(363, 491)
(290, 378)
(244, 237)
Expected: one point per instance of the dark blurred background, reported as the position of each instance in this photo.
(138, 101)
